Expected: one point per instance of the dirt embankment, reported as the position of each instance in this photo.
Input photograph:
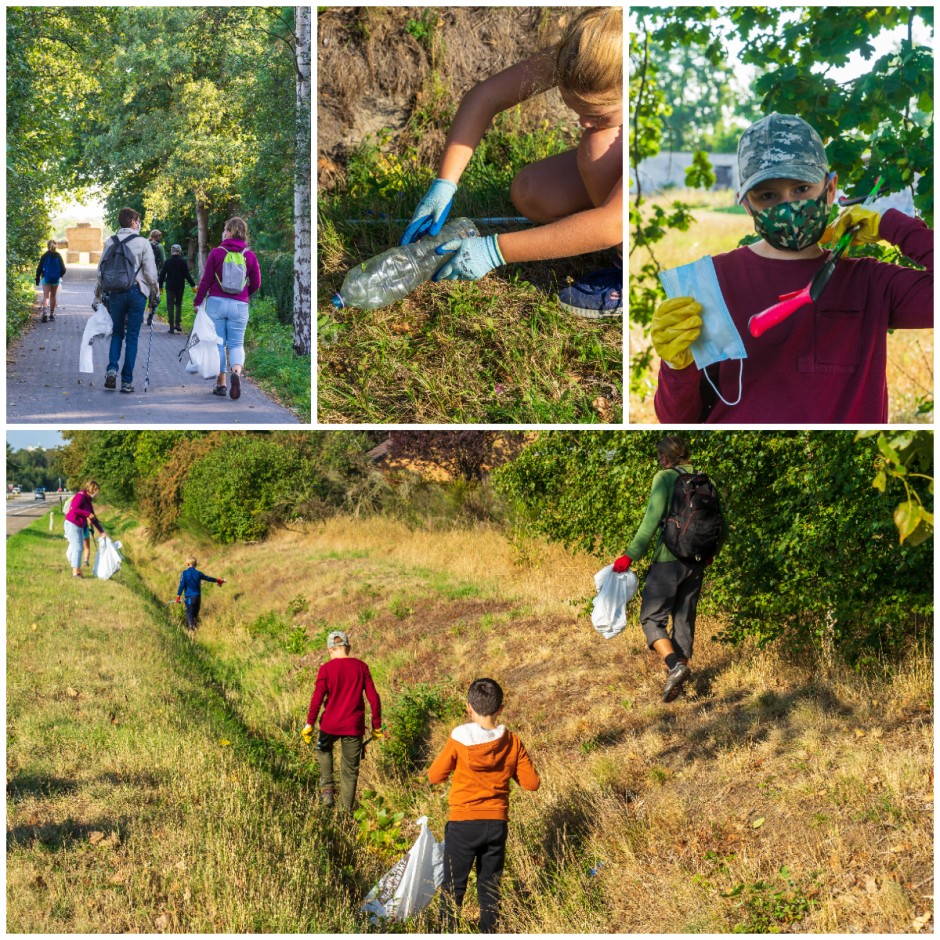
(377, 66)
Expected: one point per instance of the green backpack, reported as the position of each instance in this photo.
(234, 272)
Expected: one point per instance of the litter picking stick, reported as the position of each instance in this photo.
(149, 352)
(761, 322)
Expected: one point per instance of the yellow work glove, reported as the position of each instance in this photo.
(676, 325)
(307, 734)
(378, 734)
(855, 215)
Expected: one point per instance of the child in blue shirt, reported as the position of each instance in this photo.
(189, 588)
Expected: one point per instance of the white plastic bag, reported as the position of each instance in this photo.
(408, 886)
(614, 592)
(204, 348)
(108, 558)
(99, 326)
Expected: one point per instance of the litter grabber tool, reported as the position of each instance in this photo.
(149, 354)
(761, 322)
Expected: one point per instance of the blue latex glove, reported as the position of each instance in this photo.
(473, 258)
(431, 214)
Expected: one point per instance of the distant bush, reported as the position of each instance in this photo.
(277, 282)
(409, 724)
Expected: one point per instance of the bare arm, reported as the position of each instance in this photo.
(484, 101)
(591, 230)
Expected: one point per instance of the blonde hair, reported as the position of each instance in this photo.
(191, 561)
(589, 60)
(237, 229)
(52, 243)
(91, 485)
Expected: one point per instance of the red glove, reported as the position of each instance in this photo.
(622, 564)
(220, 581)
(177, 599)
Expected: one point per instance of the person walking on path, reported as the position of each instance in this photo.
(341, 683)
(159, 257)
(672, 585)
(127, 276)
(231, 276)
(81, 512)
(49, 273)
(174, 276)
(190, 590)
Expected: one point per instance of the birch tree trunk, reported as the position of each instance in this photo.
(302, 274)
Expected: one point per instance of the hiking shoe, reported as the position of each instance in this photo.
(327, 798)
(678, 675)
(110, 379)
(220, 390)
(598, 296)
(44, 317)
(236, 386)
(127, 387)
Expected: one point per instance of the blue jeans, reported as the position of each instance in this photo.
(76, 536)
(127, 315)
(229, 317)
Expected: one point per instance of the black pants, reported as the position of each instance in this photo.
(672, 587)
(467, 841)
(192, 610)
(174, 306)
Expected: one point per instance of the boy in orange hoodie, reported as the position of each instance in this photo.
(483, 757)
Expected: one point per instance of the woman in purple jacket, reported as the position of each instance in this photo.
(81, 512)
(231, 276)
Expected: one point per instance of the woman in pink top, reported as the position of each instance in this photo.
(231, 276)
(81, 512)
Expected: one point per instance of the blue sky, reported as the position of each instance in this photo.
(20, 440)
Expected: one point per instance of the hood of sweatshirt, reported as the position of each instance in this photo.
(486, 750)
(233, 244)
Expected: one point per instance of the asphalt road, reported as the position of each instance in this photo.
(24, 509)
(44, 385)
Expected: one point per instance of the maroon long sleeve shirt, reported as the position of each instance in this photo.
(826, 362)
(341, 683)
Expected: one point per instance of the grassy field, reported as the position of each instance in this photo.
(158, 784)
(716, 229)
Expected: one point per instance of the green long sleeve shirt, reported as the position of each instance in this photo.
(660, 499)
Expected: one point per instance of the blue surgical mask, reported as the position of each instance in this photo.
(719, 338)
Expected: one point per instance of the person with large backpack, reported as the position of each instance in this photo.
(127, 276)
(231, 276)
(685, 510)
(49, 274)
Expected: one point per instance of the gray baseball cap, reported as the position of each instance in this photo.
(780, 146)
(337, 638)
(176, 250)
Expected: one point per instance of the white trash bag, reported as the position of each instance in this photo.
(409, 885)
(99, 326)
(204, 346)
(614, 592)
(108, 558)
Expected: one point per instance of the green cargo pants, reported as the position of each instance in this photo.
(351, 754)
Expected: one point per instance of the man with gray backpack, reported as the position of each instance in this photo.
(230, 277)
(127, 277)
(685, 509)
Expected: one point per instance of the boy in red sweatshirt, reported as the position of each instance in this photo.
(483, 757)
(341, 682)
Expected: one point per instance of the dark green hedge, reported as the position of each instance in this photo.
(277, 281)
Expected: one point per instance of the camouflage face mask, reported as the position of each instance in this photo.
(793, 226)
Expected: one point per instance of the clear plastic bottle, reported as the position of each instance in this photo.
(395, 273)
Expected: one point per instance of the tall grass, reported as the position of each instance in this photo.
(775, 795)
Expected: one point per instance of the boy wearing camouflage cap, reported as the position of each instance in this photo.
(341, 683)
(826, 363)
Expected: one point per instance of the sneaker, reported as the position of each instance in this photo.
(678, 675)
(236, 387)
(127, 387)
(220, 390)
(598, 296)
(326, 797)
(110, 379)
(45, 316)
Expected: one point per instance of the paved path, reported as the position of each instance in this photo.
(22, 510)
(44, 385)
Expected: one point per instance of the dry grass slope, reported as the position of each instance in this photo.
(771, 796)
